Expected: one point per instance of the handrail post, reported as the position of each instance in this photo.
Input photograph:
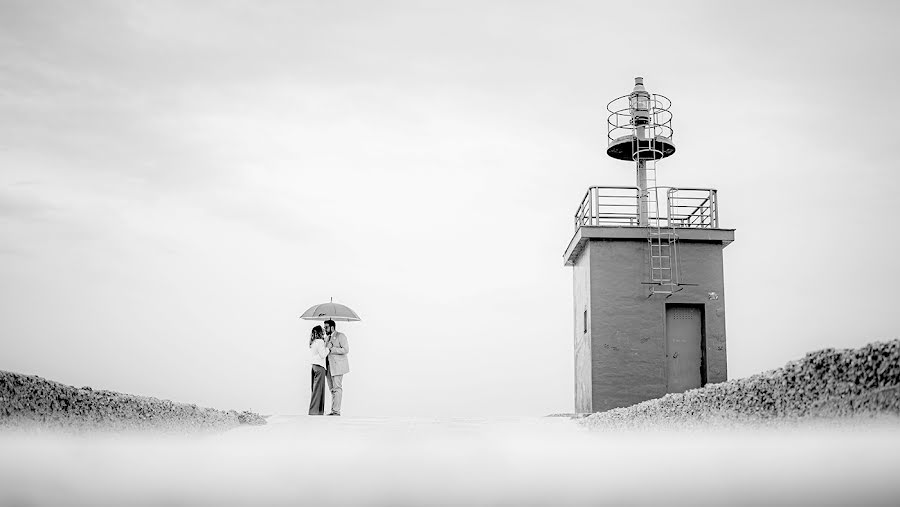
(670, 210)
(714, 199)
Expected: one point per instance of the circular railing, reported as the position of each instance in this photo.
(620, 123)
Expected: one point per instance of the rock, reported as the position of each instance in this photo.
(29, 401)
(825, 384)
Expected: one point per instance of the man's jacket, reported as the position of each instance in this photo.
(337, 358)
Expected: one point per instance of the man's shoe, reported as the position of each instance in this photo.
(333, 413)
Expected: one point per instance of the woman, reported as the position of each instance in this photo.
(318, 352)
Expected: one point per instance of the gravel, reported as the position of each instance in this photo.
(31, 402)
(826, 385)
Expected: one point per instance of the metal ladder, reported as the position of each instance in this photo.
(663, 240)
(663, 261)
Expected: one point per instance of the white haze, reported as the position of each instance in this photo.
(301, 460)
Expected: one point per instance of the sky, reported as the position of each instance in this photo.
(179, 181)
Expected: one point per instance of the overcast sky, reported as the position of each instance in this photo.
(180, 180)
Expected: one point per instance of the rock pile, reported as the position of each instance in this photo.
(825, 384)
(29, 401)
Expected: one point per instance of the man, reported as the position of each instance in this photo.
(336, 364)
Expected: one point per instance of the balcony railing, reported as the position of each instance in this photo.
(617, 206)
(695, 208)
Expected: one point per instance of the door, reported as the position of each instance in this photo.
(684, 330)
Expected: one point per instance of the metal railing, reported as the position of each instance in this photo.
(694, 208)
(616, 206)
(620, 122)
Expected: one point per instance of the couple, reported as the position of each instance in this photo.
(328, 351)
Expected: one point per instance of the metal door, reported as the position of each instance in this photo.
(683, 342)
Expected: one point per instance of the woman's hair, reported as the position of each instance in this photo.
(315, 334)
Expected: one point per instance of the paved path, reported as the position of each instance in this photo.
(301, 460)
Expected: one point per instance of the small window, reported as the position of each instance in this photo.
(585, 320)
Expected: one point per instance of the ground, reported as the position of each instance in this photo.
(303, 460)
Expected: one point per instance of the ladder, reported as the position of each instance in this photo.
(663, 261)
(663, 241)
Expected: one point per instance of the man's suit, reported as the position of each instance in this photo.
(336, 366)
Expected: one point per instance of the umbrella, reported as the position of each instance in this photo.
(330, 310)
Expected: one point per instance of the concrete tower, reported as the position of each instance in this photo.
(649, 287)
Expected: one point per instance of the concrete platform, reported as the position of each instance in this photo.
(610, 233)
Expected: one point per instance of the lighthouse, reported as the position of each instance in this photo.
(649, 289)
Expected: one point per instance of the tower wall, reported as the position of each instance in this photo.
(583, 334)
(627, 343)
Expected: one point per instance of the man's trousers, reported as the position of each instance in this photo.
(335, 385)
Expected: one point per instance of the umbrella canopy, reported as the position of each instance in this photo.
(331, 310)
